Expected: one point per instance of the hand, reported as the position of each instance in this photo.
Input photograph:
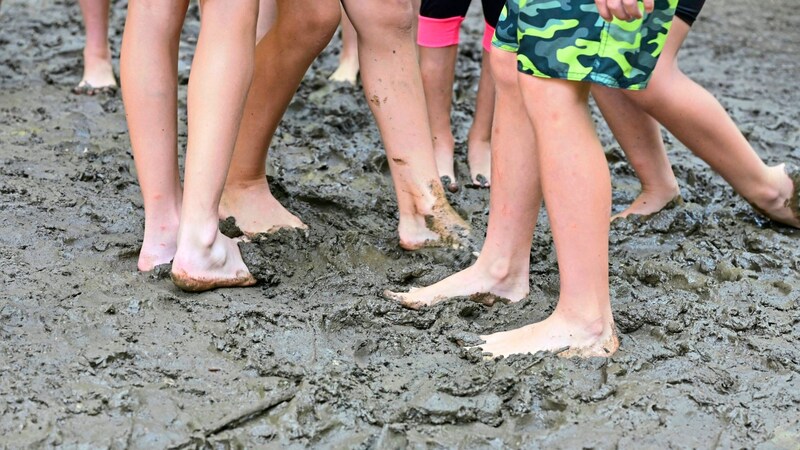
(626, 10)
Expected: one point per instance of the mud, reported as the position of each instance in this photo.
(96, 355)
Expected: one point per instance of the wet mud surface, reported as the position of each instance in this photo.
(96, 355)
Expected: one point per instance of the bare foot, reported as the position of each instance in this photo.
(651, 201)
(256, 210)
(443, 150)
(479, 156)
(485, 286)
(158, 246)
(198, 268)
(556, 333)
(98, 75)
(347, 72)
(782, 203)
(436, 226)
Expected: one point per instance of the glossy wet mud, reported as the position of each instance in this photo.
(93, 353)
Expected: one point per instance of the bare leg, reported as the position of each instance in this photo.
(98, 74)
(709, 132)
(281, 59)
(218, 85)
(639, 135)
(502, 268)
(438, 66)
(149, 66)
(577, 192)
(393, 87)
(267, 14)
(479, 141)
(348, 59)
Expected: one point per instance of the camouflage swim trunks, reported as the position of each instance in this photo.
(567, 39)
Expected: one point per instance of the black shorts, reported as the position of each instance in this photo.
(688, 10)
(445, 9)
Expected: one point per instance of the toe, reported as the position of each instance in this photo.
(401, 299)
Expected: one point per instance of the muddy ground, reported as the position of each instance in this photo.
(96, 355)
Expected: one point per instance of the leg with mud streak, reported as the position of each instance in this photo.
(577, 192)
(393, 87)
(639, 135)
(218, 85)
(502, 269)
(347, 72)
(98, 74)
(708, 131)
(479, 140)
(149, 75)
(438, 67)
(282, 57)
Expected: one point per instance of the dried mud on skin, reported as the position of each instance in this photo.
(93, 354)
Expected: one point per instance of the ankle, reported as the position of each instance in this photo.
(505, 271)
(475, 137)
(97, 53)
(594, 322)
(200, 234)
(773, 192)
(246, 183)
(444, 142)
(666, 189)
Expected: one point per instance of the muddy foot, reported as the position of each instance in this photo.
(784, 206)
(197, 269)
(555, 334)
(474, 282)
(347, 72)
(649, 203)
(158, 247)
(479, 157)
(256, 210)
(436, 226)
(98, 76)
(443, 153)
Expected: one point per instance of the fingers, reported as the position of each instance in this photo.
(602, 8)
(626, 10)
(649, 6)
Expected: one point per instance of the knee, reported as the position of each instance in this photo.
(309, 26)
(322, 19)
(395, 17)
(504, 70)
(661, 86)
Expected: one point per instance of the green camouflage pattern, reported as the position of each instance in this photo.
(567, 39)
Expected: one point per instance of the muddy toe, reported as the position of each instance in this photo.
(401, 299)
(191, 284)
(488, 299)
(84, 88)
(449, 184)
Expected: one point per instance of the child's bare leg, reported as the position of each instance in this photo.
(393, 87)
(577, 192)
(709, 132)
(98, 74)
(639, 135)
(503, 265)
(267, 13)
(281, 59)
(149, 66)
(348, 59)
(479, 141)
(438, 65)
(218, 85)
